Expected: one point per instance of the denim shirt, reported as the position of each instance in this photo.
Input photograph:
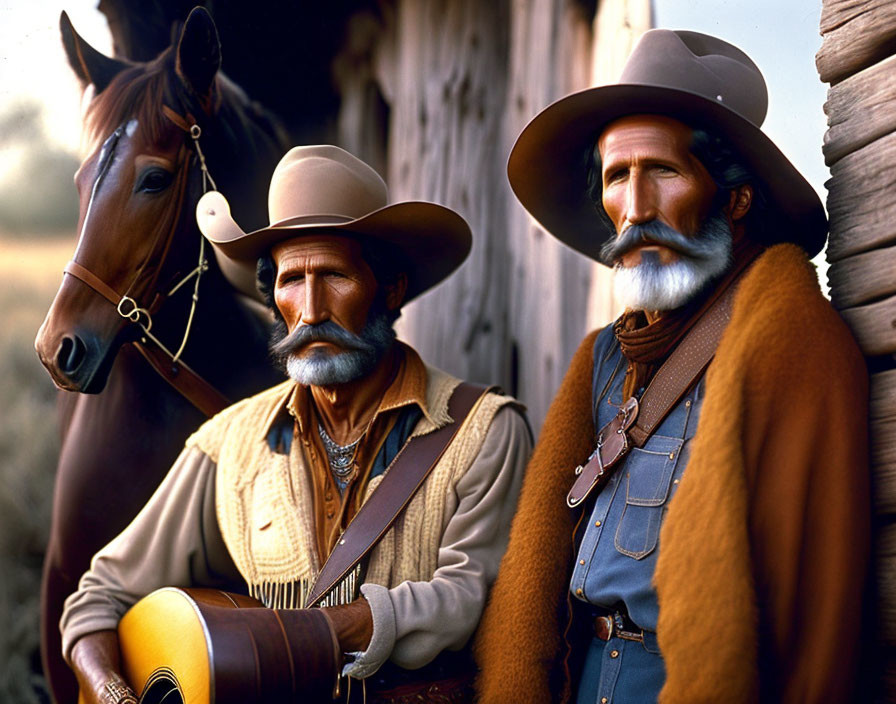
(617, 555)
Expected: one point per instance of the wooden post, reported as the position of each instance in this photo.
(856, 58)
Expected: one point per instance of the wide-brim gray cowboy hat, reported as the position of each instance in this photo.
(697, 79)
(324, 189)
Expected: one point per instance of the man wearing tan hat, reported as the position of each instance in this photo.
(266, 493)
(694, 524)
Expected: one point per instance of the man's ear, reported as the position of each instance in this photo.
(395, 292)
(739, 201)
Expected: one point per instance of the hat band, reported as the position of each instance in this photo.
(313, 220)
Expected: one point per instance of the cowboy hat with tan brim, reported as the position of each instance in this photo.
(697, 79)
(324, 189)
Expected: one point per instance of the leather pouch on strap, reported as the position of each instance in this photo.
(612, 445)
(637, 420)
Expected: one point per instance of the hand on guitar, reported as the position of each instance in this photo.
(353, 624)
(96, 662)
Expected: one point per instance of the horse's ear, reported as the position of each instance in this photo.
(198, 52)
(89, 65)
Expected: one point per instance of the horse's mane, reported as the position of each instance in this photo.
(138, 92)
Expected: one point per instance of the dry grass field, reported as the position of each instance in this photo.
(30, 272)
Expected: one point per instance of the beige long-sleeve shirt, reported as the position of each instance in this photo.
(176, 541)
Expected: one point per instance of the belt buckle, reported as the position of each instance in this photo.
(604, 627)
(620, 631)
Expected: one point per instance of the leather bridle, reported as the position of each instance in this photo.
(168, 364)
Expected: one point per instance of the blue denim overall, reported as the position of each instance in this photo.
(617, 556)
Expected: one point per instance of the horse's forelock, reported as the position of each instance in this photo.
(137, 93)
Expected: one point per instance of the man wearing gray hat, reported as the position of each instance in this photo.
(368, 484)
(694, 524)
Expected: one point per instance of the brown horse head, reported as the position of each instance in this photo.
(138, 189)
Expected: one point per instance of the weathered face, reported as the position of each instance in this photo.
(649, 173)
(323, 278)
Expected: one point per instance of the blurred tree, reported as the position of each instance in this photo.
(36, 196)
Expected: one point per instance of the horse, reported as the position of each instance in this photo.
(144, 324)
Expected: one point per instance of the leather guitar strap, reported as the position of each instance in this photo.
(402, 479)
(637, 420)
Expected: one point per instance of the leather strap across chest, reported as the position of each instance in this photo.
(410, 468)
(638, 419)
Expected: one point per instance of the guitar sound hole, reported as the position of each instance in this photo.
(162, 688)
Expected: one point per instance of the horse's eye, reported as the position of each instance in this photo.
(154, 180)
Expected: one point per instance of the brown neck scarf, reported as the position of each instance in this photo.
(646, 345)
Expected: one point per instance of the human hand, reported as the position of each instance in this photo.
(95, 661)
(353, 624)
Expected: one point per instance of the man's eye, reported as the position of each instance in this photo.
(154, 180)
(614, 176)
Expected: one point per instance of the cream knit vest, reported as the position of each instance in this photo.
(264, 499)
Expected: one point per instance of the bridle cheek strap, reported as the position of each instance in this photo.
(86, 276)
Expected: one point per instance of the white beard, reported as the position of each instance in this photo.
(328, 368)
(660, 287)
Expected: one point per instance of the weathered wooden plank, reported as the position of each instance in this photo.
(885, 571)
(860, 109)
(874, 326)
(835, 13)
(883, 463)
(857, 39)
(550, 55)
(442, 69)
(882, 414)
(883, 395)
(863, 278)
(861, 206)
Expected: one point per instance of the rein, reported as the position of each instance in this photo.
(167, 364)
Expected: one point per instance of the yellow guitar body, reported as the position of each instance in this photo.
(205, 646)
(164, 645)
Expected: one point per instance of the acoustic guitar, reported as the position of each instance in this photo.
(204, 646)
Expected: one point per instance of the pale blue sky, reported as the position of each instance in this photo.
(782, 38)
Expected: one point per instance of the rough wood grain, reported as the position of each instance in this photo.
(441, 68)
(860, 110)
(861, 206)
(885, 560)
(863, 278)
(550, 55)
(883, 462)
(883, 395)
(882, 413)
(858, 37)
(835, 13)
(874, 326)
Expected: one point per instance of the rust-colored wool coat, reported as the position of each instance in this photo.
(764, 549)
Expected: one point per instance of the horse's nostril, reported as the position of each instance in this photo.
(71, 353)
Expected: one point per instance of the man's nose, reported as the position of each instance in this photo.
(640, 204)
(315, 308)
